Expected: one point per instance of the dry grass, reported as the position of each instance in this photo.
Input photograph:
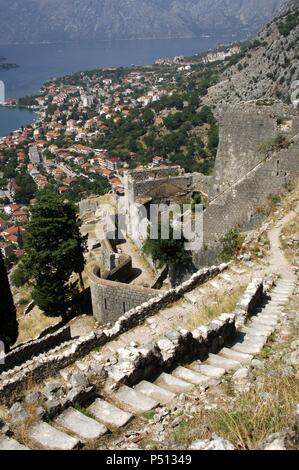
(289, 231)
(222, 302)
(247, 418)
(33, 324)
(251, 419)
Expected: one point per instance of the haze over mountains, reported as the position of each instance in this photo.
(26, 21)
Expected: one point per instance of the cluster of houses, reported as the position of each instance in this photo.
(12, 227)
(220, 55)
(78, 111)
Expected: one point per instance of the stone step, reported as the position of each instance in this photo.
(269, 308)
(226, 277)
(50, 438)
(236, 356)
(110, 415)
(81, 366)
(269, 316)
(173, 384)
(223, 363)
(273, 321)
(82, 426)
(7, 443)
(263, 321)
(279, 301)
(215, 284)
(284, 291)
(254, 339)
(208, 370)
(264, 332)
(136, 401)
(237, 270)
(247, 348)
(279, 298)
(151, 390)
(191, 376)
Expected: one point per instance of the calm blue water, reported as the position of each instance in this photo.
(39, 63)
(12, 119)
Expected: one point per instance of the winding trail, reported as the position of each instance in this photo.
(278, 263)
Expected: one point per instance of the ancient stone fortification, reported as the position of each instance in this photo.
(135, 364)
(257, 156)
(47, 364)
(111, 299)
(111, 293)
(158, 186)
(28, 350)
(250, 166)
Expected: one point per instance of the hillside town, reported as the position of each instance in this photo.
(58, 150)
(75, 146)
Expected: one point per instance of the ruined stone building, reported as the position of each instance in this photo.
(258, 156)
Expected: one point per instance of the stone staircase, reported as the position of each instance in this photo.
(72, 428)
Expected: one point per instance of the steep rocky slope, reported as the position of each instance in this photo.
(52, 20)
(266, 68)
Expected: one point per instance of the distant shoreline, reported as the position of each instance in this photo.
(166, 38)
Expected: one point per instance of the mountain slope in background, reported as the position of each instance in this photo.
(55, 20)
(268, 68)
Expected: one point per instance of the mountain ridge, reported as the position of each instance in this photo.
(24, 21)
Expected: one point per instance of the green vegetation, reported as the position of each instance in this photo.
(288, 23)
(20, 275)
(54, 251)
(231, 244)
(177, 127)
(85, 187)
(8, 319)
(167, 251)
(26, 188)
(27, 101)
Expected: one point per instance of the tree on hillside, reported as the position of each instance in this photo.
(8, 317)
(169, 252)
(54, 251)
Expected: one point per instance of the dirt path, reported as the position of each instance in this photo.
(278, 263)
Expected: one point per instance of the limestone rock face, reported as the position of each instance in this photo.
(215, 443)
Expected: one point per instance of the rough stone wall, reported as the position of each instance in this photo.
(247, 170)
(202, 183)
(46, 364)
(108, 254)
(27, 351)
(111, 299)
(146, 361)
(239, 206)
(88, 205)
(164, 187)
(241, 131)
(157, 186)
(243, 179)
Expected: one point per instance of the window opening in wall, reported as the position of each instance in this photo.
(105, 304)
(124, 307)
(277, 172)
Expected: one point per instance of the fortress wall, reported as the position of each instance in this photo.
(201, 182)
(28, 350)
(154, 173)
(88, 205)
(240, 205)
(147, 187)
(111, 299)
(243, 131)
